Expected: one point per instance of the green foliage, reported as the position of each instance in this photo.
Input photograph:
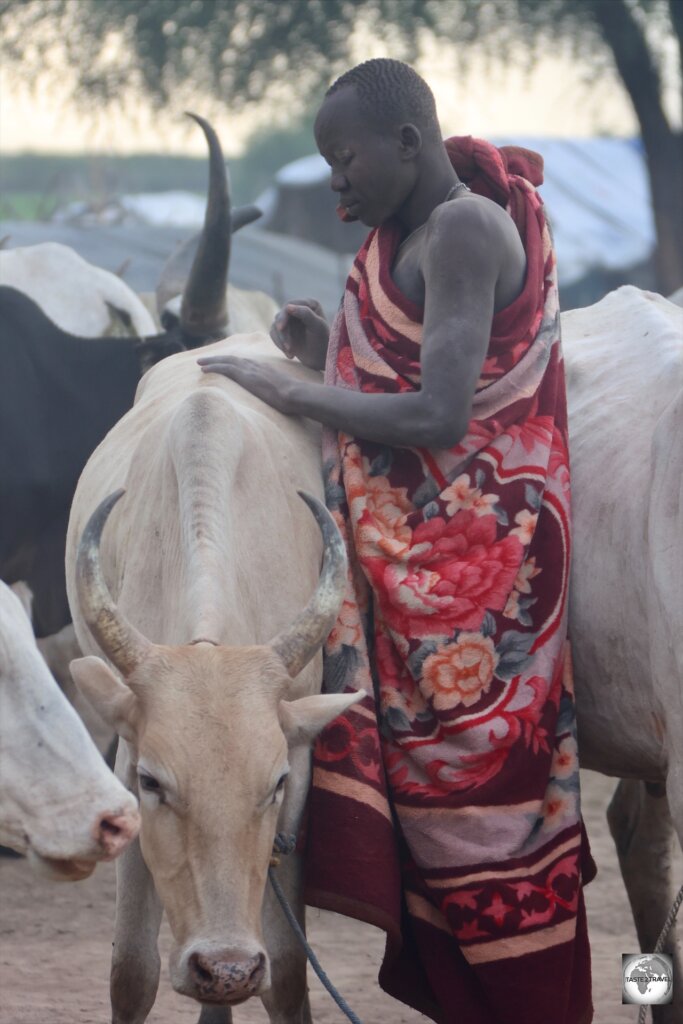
(26, 206)
(234, 50)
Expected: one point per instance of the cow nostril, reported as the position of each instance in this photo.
(113, 832)
(260, 964)
(108, 828)
(199, 970)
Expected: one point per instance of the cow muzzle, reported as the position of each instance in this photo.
(63, 856)
(225, 976)
(60, 869)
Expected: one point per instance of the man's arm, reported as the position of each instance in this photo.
(460, 272)
(461, 269)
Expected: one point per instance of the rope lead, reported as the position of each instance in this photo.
(284, 844)
(662, 939)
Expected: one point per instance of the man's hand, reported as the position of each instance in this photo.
(271, 386)
(300, 330)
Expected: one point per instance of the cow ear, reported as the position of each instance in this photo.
(303, 719)
(110, 697)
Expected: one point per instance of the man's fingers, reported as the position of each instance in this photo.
(307, 316)
(212, 360)
(222, 364)
(282, 342)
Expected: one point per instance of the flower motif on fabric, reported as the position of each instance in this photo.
(335, 743)
(455, 571)
(401, 701)
(519, 603)
(460, 672)
(559, 807)
(526, 524)
(347, 629)
(382, 528)
(565, 763)
(461, 495)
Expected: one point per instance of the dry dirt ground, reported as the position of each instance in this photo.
(55, 946)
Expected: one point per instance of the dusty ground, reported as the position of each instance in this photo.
(55, 946)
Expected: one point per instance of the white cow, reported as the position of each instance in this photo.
(208, 557)
(59, 803)
(624, 359)
(58, 651)
(80, 298)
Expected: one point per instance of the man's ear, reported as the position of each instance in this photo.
(410, 140)
(110, 697)
(303, 719)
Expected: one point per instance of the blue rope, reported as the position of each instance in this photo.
(285, 844)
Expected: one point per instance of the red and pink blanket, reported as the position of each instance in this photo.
(445, 806)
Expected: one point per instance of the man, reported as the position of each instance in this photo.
(445, 809)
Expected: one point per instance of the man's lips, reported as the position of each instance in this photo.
(348, 211)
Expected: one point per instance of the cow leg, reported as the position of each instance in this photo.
(215, 1015)
(642, 830)
(135, 964)
(287, 1000)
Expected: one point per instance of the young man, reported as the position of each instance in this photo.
(445, 808)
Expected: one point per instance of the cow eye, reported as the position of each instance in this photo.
(149, 784)
(280, 785)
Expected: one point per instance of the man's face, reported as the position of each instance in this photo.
(371, 179)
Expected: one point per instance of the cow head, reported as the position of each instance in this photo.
(219, 753)
(59, 803)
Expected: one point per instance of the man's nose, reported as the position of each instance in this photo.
(338, 182)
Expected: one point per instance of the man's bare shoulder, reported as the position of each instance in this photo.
(476, 240)
(470, 218)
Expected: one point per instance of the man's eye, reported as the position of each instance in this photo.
(149, 783)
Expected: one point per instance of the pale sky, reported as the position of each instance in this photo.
(551, 99)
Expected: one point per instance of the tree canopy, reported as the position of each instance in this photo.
(236, 50)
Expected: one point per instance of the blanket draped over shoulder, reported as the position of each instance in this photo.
(445, 806)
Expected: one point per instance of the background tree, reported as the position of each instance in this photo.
(239, 50)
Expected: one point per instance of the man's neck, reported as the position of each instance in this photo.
(436, 179)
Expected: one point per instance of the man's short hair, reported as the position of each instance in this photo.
(391, 93)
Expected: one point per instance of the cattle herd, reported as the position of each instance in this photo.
(152, 535)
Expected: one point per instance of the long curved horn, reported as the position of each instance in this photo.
(297, 644)
(203, 311)
(176, 269)
(120, 641)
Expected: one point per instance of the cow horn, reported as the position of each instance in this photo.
(203, 311)
(121, 643)
(297, 645)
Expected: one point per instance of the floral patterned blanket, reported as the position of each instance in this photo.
(445, 806)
